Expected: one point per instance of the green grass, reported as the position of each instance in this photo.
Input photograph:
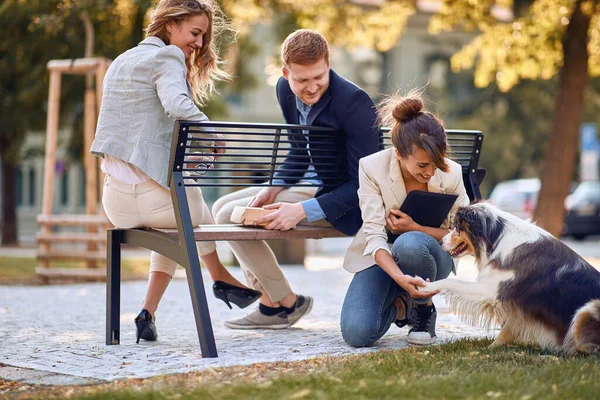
(21, 270)
(466, 369)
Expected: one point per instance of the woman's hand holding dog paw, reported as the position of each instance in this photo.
(429, 287)
(413, 285)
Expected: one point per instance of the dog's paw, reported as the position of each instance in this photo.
(430, 287)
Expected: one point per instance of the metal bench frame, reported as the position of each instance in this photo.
(179, 244)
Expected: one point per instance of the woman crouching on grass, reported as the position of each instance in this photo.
(392, 254)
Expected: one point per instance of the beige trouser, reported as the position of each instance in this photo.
(256, 258)
(149, 205)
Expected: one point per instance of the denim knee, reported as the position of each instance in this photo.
(358, 334)
(411, 252)
(411, 244)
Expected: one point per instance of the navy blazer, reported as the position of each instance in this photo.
(351, 112)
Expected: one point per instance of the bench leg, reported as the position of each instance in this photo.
(113, 287)
(201, 313)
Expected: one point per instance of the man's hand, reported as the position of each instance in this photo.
(285, 218)
(265, 196)
(398, 222)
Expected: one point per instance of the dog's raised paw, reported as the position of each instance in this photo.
(429, 287)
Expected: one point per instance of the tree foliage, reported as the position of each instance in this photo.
(515, 124)
(506, 50)
(346, 23)
(529, 47)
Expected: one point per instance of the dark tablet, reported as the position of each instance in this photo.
(428, 209)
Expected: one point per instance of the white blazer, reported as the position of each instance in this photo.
(381, 189)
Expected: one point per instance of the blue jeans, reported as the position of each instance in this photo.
(368, 309)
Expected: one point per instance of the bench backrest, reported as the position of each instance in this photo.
(255, 151)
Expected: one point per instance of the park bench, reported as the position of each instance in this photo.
(254, 152)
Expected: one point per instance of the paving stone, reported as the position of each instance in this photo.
(39, 377)
(63, 380)
(20, 374)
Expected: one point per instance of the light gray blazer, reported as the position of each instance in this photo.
(381, 188)
(145, 90)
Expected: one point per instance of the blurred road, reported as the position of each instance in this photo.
(589, 247)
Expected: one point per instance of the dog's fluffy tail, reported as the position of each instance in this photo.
(584, 332)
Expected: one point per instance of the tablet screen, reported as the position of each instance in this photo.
(427, 208)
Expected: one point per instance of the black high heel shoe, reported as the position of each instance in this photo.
(145, 327)
(241, 297)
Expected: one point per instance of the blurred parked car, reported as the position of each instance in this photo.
(583, 210)
(518, 196)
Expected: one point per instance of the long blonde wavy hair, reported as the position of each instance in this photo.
(203, 67)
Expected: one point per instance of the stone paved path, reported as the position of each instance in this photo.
(60, 330)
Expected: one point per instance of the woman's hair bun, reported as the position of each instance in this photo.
(400, 109)
(407, 108)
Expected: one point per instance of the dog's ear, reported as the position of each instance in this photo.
(457, 223)
(467, 220)
(480, 223)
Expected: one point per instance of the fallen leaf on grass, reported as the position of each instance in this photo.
(301, 394)
(265, 385)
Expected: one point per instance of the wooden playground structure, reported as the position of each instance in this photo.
(86, 241)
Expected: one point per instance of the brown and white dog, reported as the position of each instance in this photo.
(533, 285)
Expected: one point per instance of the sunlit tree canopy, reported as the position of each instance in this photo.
(368, 23)
(529, 47)
(505, 51)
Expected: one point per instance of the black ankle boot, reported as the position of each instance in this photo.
(241, 297)
(145, 327)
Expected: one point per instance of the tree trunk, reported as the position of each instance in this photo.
(561, 151)
(9, 204)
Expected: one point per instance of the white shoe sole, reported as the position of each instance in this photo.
(422, 341)
(235, 326)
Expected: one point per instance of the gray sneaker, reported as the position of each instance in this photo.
(423, 330)
(258, 320)
(303, 306)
